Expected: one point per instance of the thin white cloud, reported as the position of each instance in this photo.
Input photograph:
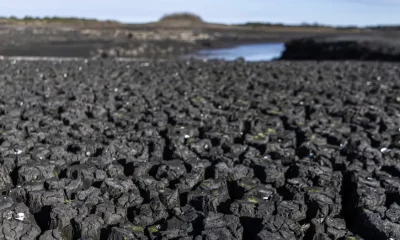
(373, 2)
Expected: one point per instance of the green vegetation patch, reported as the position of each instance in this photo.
(154, 229)
(138, 229)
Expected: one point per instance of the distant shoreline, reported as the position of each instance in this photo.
(172, 36)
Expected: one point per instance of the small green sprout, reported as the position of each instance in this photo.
(252, 200)
(137, 229)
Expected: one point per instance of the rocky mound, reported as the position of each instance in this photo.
(181, 19)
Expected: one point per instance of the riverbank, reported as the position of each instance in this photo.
(372, 47)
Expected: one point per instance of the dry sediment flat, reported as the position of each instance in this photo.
(199, 150)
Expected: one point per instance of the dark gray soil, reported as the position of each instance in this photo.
(199, 150)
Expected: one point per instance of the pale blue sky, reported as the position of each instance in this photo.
(335, 12)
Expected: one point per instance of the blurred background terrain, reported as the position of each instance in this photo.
(137, 30)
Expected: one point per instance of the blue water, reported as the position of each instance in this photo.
(250, 52)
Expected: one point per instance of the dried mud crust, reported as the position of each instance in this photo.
(194, 150)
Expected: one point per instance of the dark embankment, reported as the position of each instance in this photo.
(379, 48)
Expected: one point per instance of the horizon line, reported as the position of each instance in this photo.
(305, 23)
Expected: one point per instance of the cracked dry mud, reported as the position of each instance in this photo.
(195, 150)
